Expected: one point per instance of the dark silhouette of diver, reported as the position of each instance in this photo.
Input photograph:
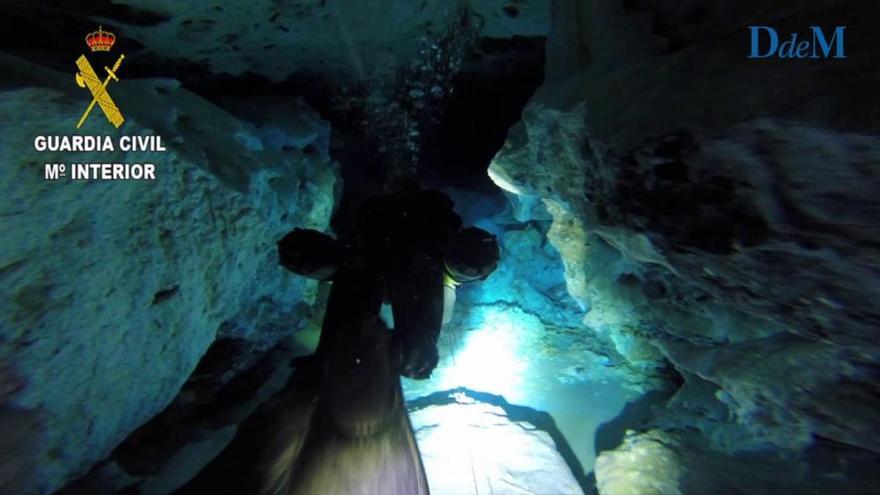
(353, 435)
(412, 242)
(339, 426)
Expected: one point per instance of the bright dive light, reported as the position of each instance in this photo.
(501, 180)
(490, 358)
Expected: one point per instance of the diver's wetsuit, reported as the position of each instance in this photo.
(358, 439)
(397, 251)
(405, 234)
(340, 425)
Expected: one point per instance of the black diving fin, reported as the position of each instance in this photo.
(359, 439)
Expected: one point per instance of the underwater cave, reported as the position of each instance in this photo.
(672, 292)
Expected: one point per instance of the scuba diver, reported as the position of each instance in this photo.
(414, 241)
(347, 430)
(340, 426)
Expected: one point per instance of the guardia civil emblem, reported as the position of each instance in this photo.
(99, 41)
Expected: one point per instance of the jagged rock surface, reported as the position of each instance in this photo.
(519, 334)
(659, 462)
(113, 291)
(743, 218)
(330, 37)
(341, 41)
(176, 444)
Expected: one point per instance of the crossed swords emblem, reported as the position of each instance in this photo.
(86, 77)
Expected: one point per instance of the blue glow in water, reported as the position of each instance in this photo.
(519, 334)
(506, 351)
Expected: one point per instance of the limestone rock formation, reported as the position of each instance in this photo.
(357, 39)
(678, 211)
(643, 466)
(710, 218)
(519, 334)
(342, 42)
(113, 291)
(657, 462)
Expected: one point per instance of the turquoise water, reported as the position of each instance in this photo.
(504, 351)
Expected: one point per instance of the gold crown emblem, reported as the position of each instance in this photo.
(100, 40)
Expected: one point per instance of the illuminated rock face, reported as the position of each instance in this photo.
(642, 466)
(740, 214)
(113, 291)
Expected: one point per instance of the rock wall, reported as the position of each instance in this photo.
(345, 38)
(519, 334)
(113, 291)
(743, 194)
(342, 42)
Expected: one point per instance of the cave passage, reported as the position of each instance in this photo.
(516, 335)
(498, 350)
(685, 301)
